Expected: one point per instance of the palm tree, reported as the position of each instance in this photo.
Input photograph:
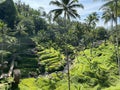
(115, 5)
(68, 8)
(117, 34)
(108, 15)
(91, 23)
(92, 19)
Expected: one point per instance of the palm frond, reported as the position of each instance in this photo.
(106, 18)
(56, 3)
(110, 3)
(57, 12)
(75, 13)
(72, 2)
(65, 2)
(76, 6)
(68, 16)
(71, 15)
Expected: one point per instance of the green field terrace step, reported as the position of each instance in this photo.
(49, 60)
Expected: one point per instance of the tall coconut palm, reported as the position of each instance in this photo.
(117, 33)
(108, 15)
(115, 5)
(68, 9)
(92, 19)
(91, 23)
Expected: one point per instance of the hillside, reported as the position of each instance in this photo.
(62, 49)
(98, 72)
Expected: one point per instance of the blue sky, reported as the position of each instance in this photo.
(89, 7)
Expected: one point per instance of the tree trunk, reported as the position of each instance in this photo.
(91, 45)
(66, 51)
(68, 70)
(11, 68)
(117, 34)
(17, 75)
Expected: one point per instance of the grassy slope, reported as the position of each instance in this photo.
(51, 59)
(98, 72)
(27, 64)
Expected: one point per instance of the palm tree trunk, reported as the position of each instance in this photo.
(2, 54)
(91, 44)
(67, 57)
(112, 24)
(68, 68)
(2, 47)
(117, 33)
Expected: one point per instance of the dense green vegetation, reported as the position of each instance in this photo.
(87, 73)
(44, 51)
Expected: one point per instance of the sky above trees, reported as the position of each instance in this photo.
(89, 7)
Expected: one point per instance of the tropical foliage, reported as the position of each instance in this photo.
(54, 51)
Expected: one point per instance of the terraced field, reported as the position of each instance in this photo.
(27, 65)
(51, 59)
(43, 61)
